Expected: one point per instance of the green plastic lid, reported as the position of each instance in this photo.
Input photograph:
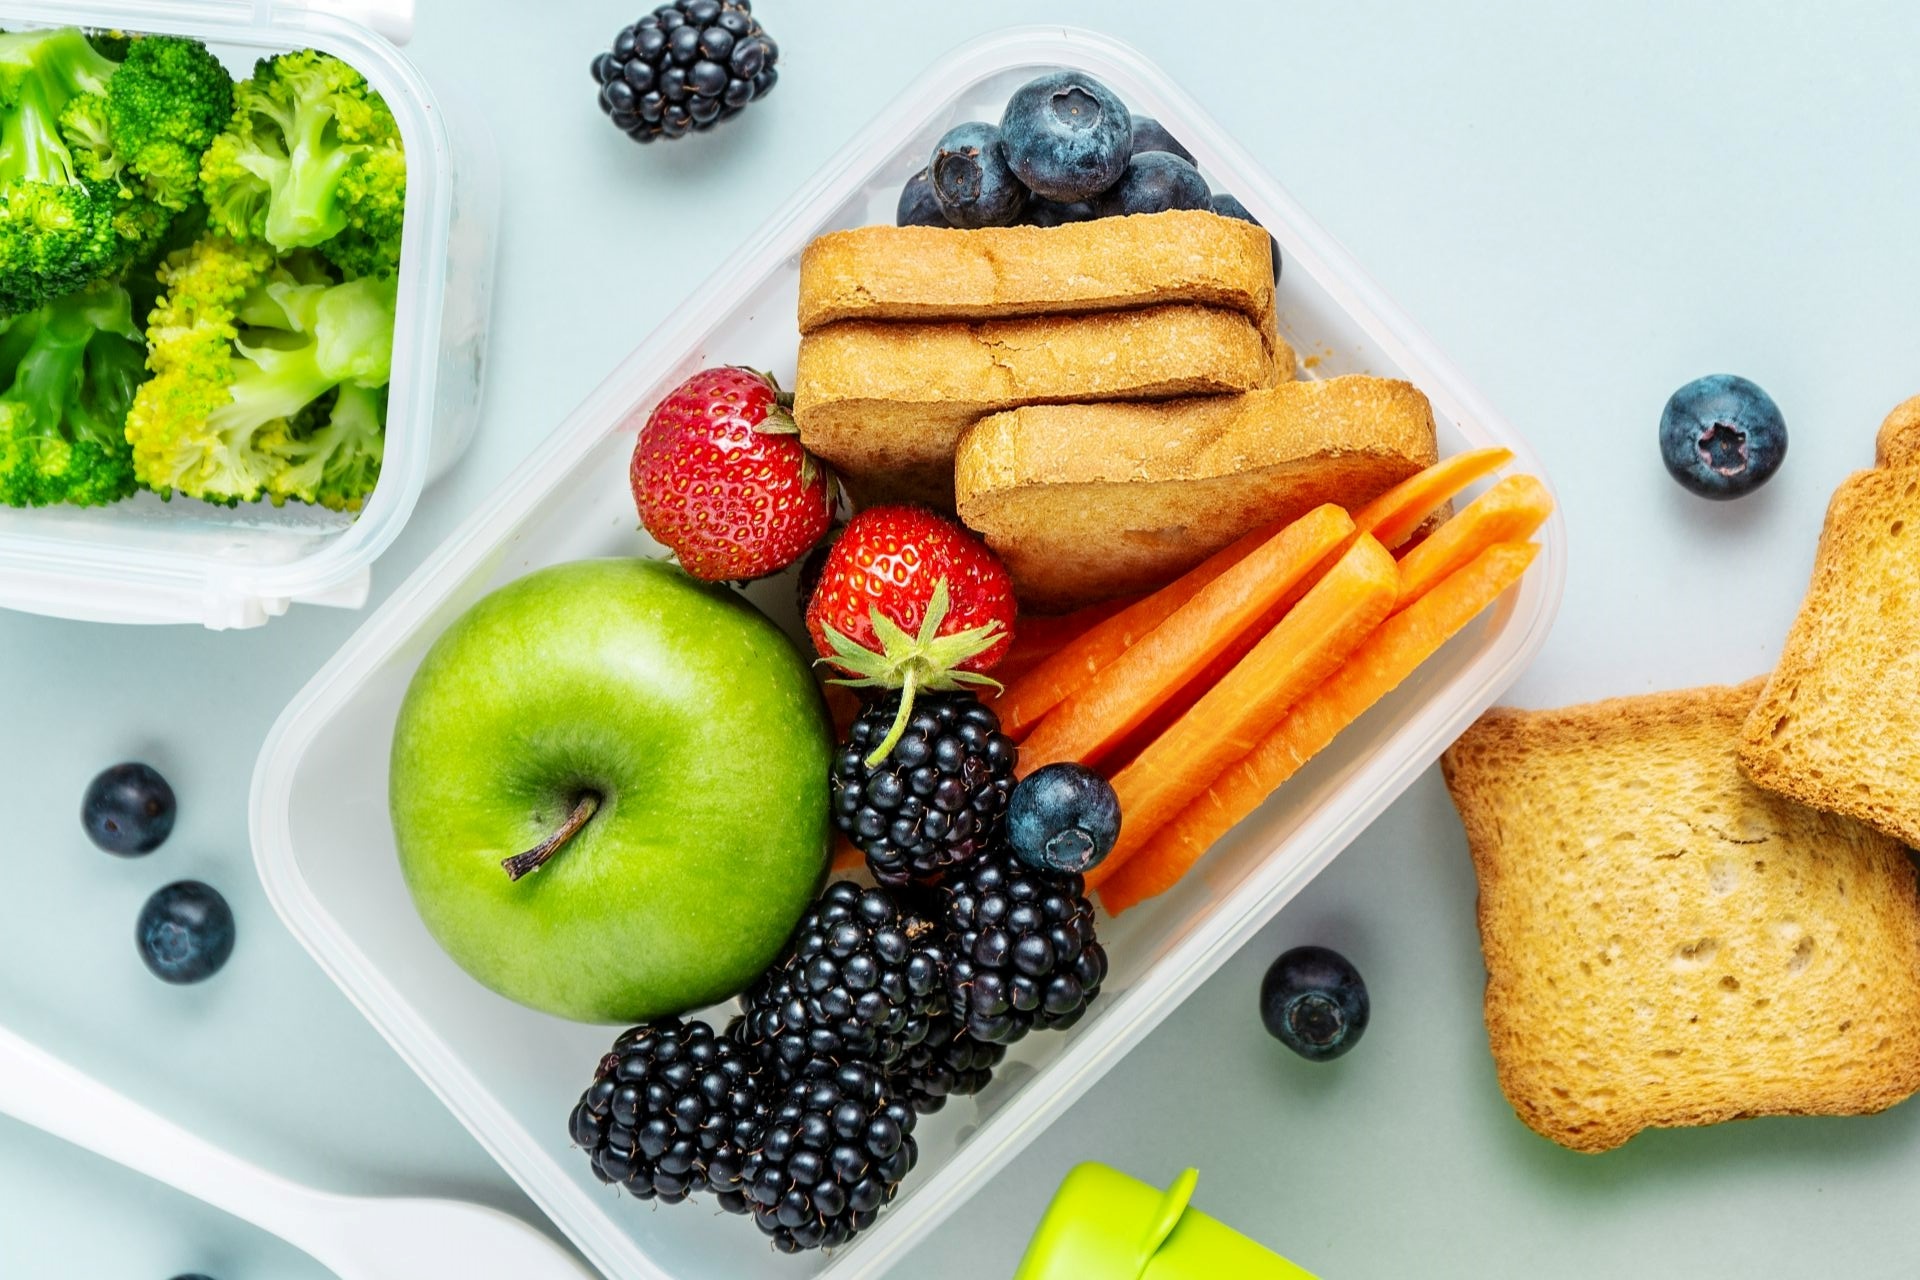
(1104, 1225)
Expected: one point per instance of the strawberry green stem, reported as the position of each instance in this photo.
(521, 864)
(910, 678)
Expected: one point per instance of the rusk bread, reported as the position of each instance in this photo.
(939, 273)
(1839, 724)
(1667, 944)
(885, 402)
(1084, 502)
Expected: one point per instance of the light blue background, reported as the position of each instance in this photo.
(1586, 205)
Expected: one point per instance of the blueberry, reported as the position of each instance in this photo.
(1721, 436)
(1067, 136)
(1150, 135)
(1042, 212)
(1314, 1002)
(917, 207)
(185, 932)
(1230, 207)
(1063, 817)
(971, 179)
(1154, 182)
(128, 810)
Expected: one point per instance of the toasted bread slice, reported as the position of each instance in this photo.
(1666, 943)
(886, 402)
(937, 273)
(1839, 724)
(1084, 502)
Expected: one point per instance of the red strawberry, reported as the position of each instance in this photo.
(721, 479)
(909, 600)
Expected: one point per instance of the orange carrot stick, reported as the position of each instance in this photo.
(1376, 668)
(1033, 694)
(1038, 637)
(1508, 512)
(1099, 714)
(1295, 657)
(1396, 514)
(1391, 518)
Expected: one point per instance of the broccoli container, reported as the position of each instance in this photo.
(307, 486)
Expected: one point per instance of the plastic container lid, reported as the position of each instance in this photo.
(1104, 1225)
(147, 560)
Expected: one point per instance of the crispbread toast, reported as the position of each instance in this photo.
(1667, 944)
(941, 273)
(885, 402)
(1839, 724)
(1084, 502)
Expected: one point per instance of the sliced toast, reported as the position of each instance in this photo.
(1839, 724)
(1667, 944)
(1085, 502)
(938, 273)
(886, 402)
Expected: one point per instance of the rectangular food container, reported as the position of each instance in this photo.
(147, 560)
(319, 816)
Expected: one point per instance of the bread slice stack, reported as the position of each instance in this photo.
(909, 335)
(1668, 944)
(1838, 726)
(1112, 398)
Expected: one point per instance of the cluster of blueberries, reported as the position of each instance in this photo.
(1066, 150)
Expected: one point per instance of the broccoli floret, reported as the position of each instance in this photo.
(336, 462)
(64, 224)
(243, 351)
(72, 368)
(311, 158)
(156, 117)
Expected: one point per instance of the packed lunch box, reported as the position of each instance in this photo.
(150, 561)
(319, 812)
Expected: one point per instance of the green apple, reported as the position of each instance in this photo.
(609, 791)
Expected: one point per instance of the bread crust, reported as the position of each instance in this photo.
(1086, 502)
(1665, 943)
(1838, 725)
(886, 402)
(940, 273)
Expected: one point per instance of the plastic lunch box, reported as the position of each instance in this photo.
(145, 560)
(319, 818)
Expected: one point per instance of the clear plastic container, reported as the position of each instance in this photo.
(319, 817)
(149, 561)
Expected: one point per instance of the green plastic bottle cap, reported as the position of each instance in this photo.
(1104, 1225)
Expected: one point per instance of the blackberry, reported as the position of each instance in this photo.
(672, 1110)
(944, 1065)
(837, 1143)
(860, 980)
(684, 68)
(938, 799)
(1021, 948)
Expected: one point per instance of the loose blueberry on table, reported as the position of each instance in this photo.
(1722, 437)
(1314, 1001)
(185, 932)
(129, 810)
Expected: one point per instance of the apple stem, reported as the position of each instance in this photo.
(908, 681)
(533, 859)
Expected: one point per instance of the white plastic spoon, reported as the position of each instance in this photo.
(357, 1238)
